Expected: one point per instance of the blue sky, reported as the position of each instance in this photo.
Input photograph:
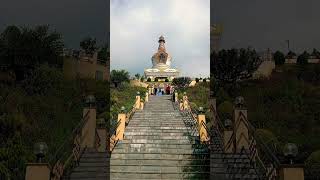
(136, 25)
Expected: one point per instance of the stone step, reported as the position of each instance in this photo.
(87, 175)
(163, 162)
(156, 156)
(168, 146)
(151, 175)
(158, 168)
(155, 137)
(139, 133)
(137, 128)
(157, 150)
(156, 141)
(157, 130)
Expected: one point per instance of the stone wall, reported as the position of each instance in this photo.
(85, 67)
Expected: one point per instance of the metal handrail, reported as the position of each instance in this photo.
(58, 162)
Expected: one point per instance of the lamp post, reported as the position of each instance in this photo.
(290, 151)
(40, 149)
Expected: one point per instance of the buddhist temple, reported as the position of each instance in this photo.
(161, 64)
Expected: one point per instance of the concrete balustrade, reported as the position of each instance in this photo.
(88, 130)
(291, 172)
(102, 133)
(121, 127)
(147, 97)
(241, 129)
(227, 141)
(37, 171)
(185, 102)
(137, 102)
(202, 130)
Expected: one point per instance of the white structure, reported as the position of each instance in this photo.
(161, 62)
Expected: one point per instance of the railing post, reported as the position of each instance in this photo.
(88, 130)
(122, 124)
(141, 105)
(241, 125)
(185, 101)
(181, 105)
(176, 98)
(147, 97)
(202, 130)
(291, 172)
(228, 143)
(102, 134)
(138, 99)
(36, 171)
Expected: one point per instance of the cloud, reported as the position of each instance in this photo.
(136, 25)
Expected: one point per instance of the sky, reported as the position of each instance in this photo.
(268, 23)
(74, 19)
(257, 23)
(136, 25)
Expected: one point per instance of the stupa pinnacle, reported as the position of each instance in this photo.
(161, 62)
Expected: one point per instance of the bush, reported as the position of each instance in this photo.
(149, 80)
(167, 80)
(197, 79)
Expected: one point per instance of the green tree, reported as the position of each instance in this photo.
(89, 45)
(230, 66)
(303, 58)
(104, 53)
(137, 76)
(181, 82)
(149, 80)
(291, 54)
(279, 58)
(119, 76)
(23, 49)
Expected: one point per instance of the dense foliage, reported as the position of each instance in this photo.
(181, 82)
(230, 66)
(89, 45)
(23, 49)
(286, 105)
(119, 77)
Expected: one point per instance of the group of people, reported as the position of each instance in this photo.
(167, 90)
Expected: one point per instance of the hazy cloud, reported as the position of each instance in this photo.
(136, 25)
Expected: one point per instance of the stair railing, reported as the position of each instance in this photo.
(65, 158)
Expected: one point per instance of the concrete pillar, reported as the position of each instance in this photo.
(241, 129)
(291, 172)
(102, 133)
(121, 127)
(88, 131)
(202, 130)
(176, 97)
(36, 171)
(185, 102)
(141, 105)
(137, 103)
(181, 105)
(227, 134)
(147, 97)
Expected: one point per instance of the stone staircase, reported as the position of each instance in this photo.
(93, 165)
(158, 145)
(230, 166)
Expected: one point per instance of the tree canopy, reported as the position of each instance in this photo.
(230, 66)
(24, 48)
(89, 45)
(119, 76)
(181, 82)
(279, 58)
